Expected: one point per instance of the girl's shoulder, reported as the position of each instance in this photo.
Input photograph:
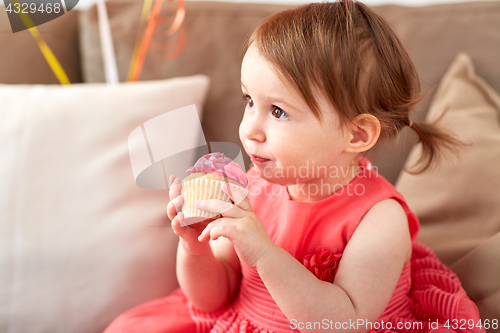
(377, 189)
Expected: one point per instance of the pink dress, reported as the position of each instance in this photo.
(427, 298)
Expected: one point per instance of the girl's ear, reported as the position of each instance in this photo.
(364, 131)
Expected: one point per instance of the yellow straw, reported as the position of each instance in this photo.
(46, 51)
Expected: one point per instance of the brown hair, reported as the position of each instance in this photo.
(353, 56)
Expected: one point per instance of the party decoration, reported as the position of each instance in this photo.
(150, 22)
(28, 23)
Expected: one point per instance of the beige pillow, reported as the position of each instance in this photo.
(80, 242)
(458, 202)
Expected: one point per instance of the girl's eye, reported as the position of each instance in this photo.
(249, 100)
(279, 114)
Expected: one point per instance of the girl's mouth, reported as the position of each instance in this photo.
(258, 160)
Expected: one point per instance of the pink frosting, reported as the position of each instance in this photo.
(219, 164)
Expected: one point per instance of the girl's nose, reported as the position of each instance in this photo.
(252, 127)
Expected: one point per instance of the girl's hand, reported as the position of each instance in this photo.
(188, 236)
(239, 224)
(174, 194)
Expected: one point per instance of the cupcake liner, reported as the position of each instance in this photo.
(204, 189)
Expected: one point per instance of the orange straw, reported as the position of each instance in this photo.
(153, 22)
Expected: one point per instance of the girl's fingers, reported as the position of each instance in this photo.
(239, 195)
(219, 228)
(227, 209)
(176, 225)
(175, 206)
(205, 234)
(225, 230)
(178, 202)
(175, 187)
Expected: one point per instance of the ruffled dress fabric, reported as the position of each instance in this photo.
(428, 296)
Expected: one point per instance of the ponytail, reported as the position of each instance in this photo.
(435, 144)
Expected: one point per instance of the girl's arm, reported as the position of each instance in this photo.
(208, 273)
(368, 272)
(210, 280)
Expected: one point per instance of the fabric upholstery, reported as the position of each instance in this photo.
(216, 32)
(22, 62)
(457, 200)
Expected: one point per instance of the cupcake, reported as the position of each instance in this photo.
(204, 182)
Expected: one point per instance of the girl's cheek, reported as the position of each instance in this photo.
(241, 128)
(245, 122)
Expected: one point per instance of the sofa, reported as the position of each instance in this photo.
(81, 242)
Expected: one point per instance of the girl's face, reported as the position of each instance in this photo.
(286, 142)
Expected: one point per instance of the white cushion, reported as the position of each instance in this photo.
(80, 242)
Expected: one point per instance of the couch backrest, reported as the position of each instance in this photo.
(433, 35)
(21, 61)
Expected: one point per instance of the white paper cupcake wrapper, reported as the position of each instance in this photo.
(205, 189)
